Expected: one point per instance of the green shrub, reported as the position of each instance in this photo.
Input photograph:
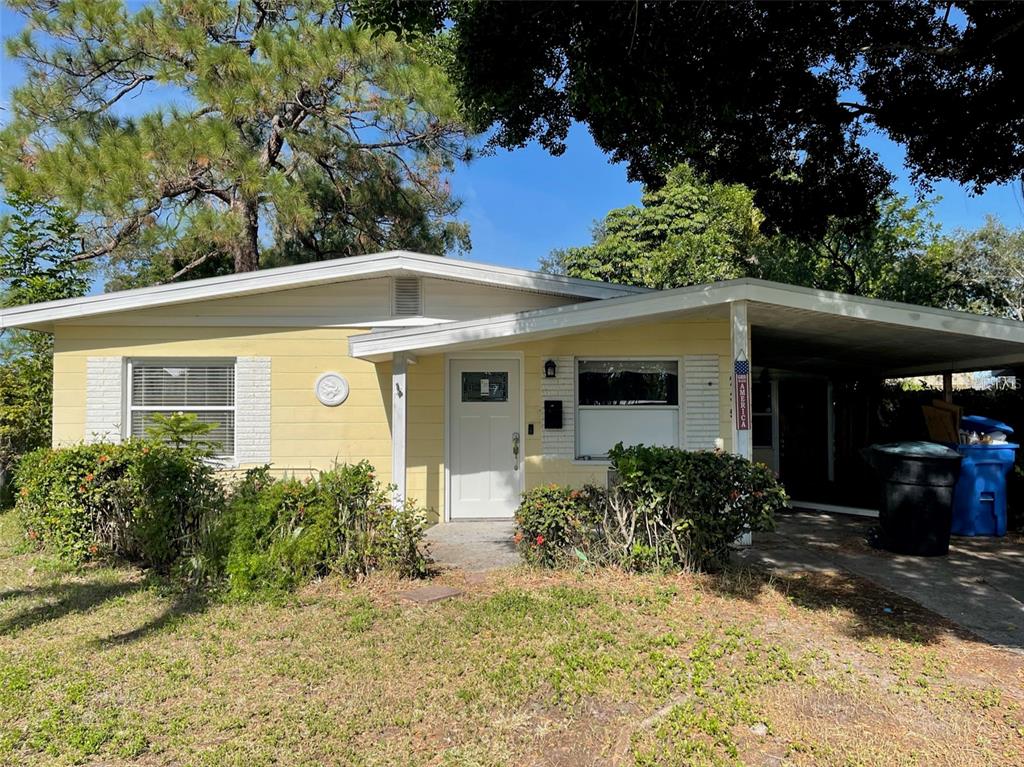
(667, 509)
(279, 534)
(142, 501)
(681, 509)
(554, 521)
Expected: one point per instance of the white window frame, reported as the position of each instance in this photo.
(647, 408)
(182, 362)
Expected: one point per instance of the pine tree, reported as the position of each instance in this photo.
(194, 135)
(38, 243)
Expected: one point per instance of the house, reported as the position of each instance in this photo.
(465, 383)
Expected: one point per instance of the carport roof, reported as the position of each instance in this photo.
(793, 328)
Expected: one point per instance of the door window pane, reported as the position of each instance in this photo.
(489, 386)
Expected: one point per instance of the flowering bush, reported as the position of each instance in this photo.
(672, 508)
(554, 523)
(667, 509)
(141, 501)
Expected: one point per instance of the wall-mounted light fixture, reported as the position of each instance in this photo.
(550, 369)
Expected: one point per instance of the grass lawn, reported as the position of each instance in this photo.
(106, 667)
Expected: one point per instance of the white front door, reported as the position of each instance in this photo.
(485, 446)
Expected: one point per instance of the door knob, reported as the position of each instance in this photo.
(515, 450)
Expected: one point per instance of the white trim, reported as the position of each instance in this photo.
(399, 426)
(446, 414)
(742, 439)
(575, 318)
(253, 401)
(396, 262)
(104, 399)
(832, 508)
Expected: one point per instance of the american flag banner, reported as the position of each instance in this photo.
(741, 376)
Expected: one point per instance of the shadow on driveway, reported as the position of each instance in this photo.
(979, 585)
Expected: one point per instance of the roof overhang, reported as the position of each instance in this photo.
(392, 263)
(793, 328)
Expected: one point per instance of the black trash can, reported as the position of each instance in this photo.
(916, 504)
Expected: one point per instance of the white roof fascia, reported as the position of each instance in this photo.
(577, 317)
(303, 275)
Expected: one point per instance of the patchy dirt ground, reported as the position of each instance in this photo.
(107, 667)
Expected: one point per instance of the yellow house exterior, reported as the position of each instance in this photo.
(306, 436)
(299, 328)
(465, 384)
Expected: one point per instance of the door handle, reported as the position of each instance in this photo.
(515, 450)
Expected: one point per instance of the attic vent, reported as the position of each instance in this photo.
(405, 297)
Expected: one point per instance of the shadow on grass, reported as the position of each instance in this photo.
(866, 610)
(182, 606)
(63, 599)
(67, 599)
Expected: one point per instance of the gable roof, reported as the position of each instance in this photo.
(792, 327)
(390, 263)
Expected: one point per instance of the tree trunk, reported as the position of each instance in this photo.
(247, 249)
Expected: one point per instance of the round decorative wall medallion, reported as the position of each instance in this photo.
(331, 389)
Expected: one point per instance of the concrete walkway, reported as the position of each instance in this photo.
(979, 585)
(473, 546)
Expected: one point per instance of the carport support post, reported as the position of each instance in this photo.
(741, 442)
(947, 387)
(740, 332)
(399, 367)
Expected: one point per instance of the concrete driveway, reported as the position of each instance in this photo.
(979, 585)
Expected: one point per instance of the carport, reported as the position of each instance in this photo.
(799, 347)
(817, 356)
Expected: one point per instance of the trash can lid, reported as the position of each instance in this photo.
(917, 450)
(984, 425)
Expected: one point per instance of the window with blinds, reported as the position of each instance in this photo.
(189, 386)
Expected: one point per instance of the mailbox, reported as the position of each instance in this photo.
(552, 414)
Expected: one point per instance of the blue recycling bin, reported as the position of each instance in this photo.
(979, 500)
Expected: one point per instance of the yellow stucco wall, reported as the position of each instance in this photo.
(305, 435)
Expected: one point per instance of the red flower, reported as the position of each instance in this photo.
(540, 540)
(93, 549)
(518, 537)
(145, 451)
(90, 477)
(104, 458)
(24, 492)
(32, 534)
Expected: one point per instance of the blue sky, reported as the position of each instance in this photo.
(520, 205)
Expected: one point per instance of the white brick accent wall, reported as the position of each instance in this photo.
(560, 442)
(252, 410)
(104, 397)
(701, 403)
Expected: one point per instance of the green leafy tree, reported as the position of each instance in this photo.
(194, 135)
(692, 231)
(894, 256)
(686, 232)
(777, 96)
(989, 265)
(38, 243)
